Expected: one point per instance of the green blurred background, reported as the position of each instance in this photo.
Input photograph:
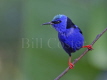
(30, 51)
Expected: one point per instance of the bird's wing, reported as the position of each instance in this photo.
(80, 30)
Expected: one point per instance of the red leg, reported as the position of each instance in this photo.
(71, 65)
(88, 46)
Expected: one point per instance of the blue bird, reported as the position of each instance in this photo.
(69, 35)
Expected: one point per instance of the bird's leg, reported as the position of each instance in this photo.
(88, 46)
(71, 65)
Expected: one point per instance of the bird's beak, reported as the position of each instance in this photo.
(48, 23)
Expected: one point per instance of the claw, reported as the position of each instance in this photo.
(88, 46)
(71, 65)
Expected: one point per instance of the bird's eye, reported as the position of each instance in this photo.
(56, 22)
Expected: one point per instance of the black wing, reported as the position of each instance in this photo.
(80, 30)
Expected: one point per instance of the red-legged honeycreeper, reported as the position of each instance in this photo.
(69, 35)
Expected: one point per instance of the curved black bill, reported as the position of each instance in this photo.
(48, 23)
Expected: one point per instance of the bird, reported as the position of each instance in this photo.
(69, 34)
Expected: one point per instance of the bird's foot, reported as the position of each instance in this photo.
(71, 65)
(88, 46)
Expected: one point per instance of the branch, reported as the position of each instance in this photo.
(76, 60)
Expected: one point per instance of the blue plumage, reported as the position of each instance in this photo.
(69, 35)
(72, 40)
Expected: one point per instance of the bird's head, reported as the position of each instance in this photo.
(61, 23)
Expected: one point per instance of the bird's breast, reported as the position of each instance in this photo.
(71, 41)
